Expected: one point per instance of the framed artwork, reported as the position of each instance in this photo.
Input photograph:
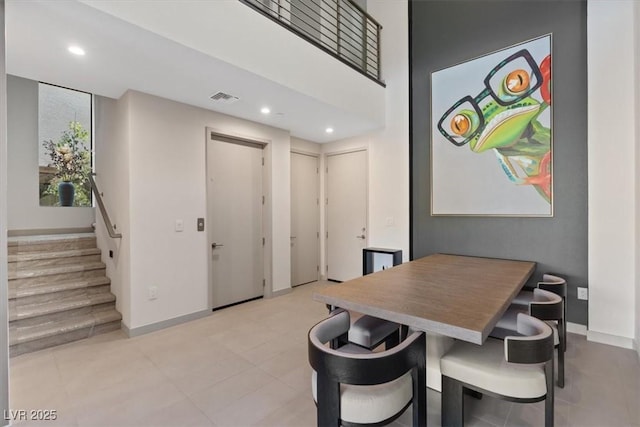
(491, 134)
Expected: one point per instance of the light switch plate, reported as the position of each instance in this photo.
(179, 225)
(583, 293)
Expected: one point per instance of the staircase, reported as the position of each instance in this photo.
(58, 291)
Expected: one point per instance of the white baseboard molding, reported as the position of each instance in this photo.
(576, 328)
(280, 292)
(141, 330)
(609, 339)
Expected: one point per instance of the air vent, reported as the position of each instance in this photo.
(224, 98)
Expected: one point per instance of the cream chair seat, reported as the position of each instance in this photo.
(546, 306)
(519, 369)
(355, 386)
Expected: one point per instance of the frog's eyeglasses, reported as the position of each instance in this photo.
(509, 82)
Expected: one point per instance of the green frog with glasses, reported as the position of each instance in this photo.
(508, 122)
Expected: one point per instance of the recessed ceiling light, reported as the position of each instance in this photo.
(329, 130)
(76, 50)
(265, 110)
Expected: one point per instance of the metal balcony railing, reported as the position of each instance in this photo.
(339, 27)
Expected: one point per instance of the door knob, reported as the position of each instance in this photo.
(215, 245)
(362, 236)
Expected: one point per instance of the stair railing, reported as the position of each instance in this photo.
(339, 27)
(111, 228)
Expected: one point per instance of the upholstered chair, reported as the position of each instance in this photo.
(546, 306)
(551, 283)
(518, 369)
(354, 386)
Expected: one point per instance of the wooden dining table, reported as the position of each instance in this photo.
(447, 296)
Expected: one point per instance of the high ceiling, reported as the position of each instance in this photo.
(121, 56)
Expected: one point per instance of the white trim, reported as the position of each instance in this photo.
(306, 153)
(576, 328)
(4, 330)
(615, 340)
(141, 330)
(347, 151)
(280, 292)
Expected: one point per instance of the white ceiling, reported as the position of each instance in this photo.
(121, 56)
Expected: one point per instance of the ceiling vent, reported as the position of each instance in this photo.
(224, 98)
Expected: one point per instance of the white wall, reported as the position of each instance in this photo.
(25, 212)
(301, 68)
(388, 148)
(636, 17)
(164, 142)
(612, 151)
(112, 177)
(4, 333)
(305, 146)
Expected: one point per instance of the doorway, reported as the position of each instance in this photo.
(234, 213)
(346, 213)
(305, 224)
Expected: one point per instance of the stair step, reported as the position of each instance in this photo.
(20, 312)
(58, 291)
(55, 269)
(49, 288)
(58, 278)
(22, 335)
(52, 255)
(50, 242)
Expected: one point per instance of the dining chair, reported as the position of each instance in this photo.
(546, 306)
(370, 332)
(552, 283)
(354, 386)
(518, 369)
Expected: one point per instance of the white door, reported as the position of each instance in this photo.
(304, 219)
(346, 214)
(234, 212)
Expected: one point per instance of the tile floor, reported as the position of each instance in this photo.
(247, 365)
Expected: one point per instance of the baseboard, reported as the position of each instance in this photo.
(609, 339)
(576, 328)
(280, 292)
(48, 231)
(141, 330)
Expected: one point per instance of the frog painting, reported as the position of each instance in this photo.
(491, 142)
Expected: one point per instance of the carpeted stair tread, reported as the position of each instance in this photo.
(56, 269)
(48, 238)
(37, 256)
(58, 291)
(33, 333)
(42, 309)
(49, 288)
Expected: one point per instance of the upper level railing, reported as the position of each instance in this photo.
(339, 27)
(111, 228)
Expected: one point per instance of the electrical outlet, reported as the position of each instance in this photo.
(153, 292)
(583, 293)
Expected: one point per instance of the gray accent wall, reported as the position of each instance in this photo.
(445, 33)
